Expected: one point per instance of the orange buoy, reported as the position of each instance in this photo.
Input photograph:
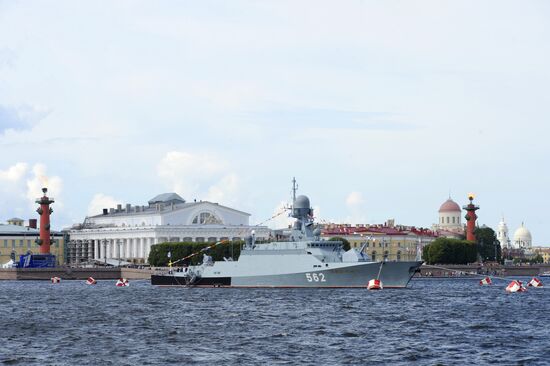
(122, 282)
(375, 285)
(515, 286)
(91, 281)
(486, 281)
(535, 282)
(55, 279)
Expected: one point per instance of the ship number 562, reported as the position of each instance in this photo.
(315, 277)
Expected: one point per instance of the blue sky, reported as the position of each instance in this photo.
(379, 109)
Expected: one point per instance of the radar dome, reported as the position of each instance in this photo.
(301, 202)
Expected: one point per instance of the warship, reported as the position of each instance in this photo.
(303, 260)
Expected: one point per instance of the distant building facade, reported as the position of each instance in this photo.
(127, 233)
(389, 241)
(17, 239)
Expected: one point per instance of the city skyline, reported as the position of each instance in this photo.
(379, 110)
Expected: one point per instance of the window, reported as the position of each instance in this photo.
(373, 255)
(199, 240)
(28, 244)
(447, 219)
(5, 243)
(398, 255)
(206, 218)
(454, 219)
(442, 220)
(21, 243)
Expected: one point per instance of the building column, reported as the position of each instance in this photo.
(140, 248)
(147, 247)
(109, 251)
(96, 249)
(127, 248)
(90, 250)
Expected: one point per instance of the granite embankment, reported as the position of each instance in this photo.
(67, 273)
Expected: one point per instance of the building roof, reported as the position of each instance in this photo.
(16, 219)
(450, 206)
(166, 198)
(16, 229)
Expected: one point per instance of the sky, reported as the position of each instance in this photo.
(380, 109)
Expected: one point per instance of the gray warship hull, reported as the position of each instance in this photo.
(392, 275)
(305, 260)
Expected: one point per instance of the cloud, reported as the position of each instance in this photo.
(281, 218)
(101, 201)
(194, 175)
(354, 199)
(21, 118)
(41, 179)
(14, 173)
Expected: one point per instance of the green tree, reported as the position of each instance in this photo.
(449, 251)
(159, 252)
(345, 242)
(488, 245)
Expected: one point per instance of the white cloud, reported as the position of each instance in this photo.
(196, 175)
(39, 180)
(354, 199)
(14, 173)
(101, 201)
(281, 218)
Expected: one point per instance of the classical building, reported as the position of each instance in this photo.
(450, 220)
(17, 239)
(390, 241)
(522, 238)
(127, 233)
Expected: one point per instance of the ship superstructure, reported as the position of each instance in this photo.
(304, 260)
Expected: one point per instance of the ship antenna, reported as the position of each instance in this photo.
(294, 189)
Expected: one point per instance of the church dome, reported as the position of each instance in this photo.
(450, 206)
(522, 235)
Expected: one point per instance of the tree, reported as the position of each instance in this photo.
(159, 252)
(488, 245)
(345, 242)
(449, 251)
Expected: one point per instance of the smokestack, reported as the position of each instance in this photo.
(105, 211)
(32, 223)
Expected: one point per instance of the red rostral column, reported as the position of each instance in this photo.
(44, 211)
(471, 218)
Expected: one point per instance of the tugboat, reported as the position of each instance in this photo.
(305, 260)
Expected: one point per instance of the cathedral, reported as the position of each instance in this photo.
(450, 220)
(522, 237)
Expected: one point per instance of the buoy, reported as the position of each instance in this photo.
(515, 286)
(375, 285)
(486, 281)
(55, 279)
(122, 282)
(91, 281)
(535, 282)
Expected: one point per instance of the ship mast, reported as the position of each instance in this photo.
(294, 189)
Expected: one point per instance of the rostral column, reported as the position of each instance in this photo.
(471, 218)
(44, 211)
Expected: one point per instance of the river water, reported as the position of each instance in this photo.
(445, 321)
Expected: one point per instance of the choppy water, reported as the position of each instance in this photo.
(434, 322)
